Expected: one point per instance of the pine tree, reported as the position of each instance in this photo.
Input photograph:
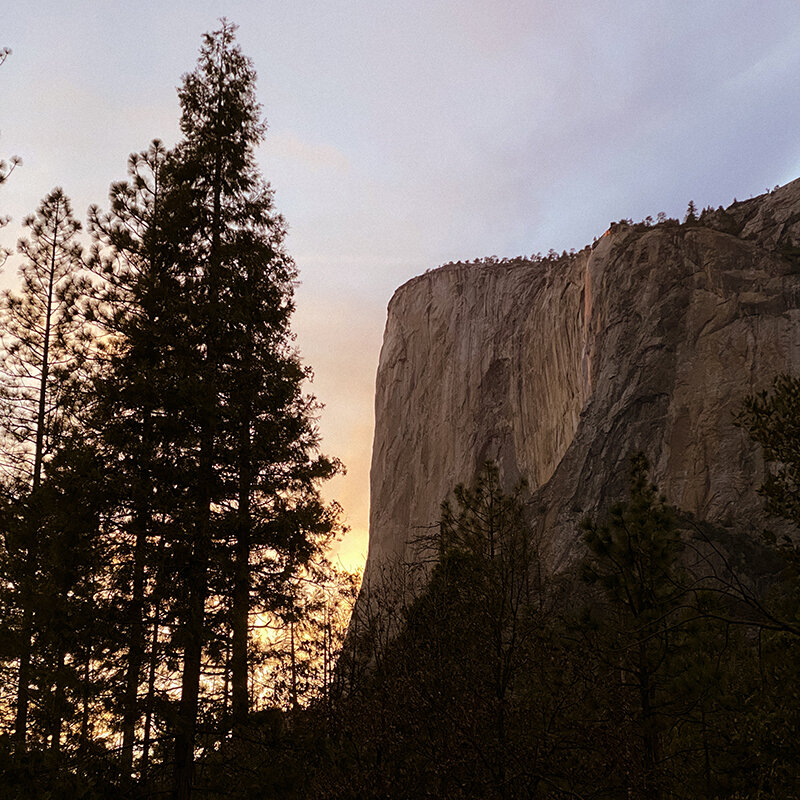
(212, 172)
(633, 557)
(134, 393)
(451, 682)
(244, 441)
(490, 557)
(43, 339)
(773, 420)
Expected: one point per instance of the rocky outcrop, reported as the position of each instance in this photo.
(559, 368)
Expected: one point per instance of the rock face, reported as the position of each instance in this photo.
(558, 369)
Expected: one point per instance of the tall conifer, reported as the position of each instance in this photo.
(134, 392)
(251, 514)
(42, 352)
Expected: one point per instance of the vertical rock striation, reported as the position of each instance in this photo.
(558, 369)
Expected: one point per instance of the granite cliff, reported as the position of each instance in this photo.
(559, 368)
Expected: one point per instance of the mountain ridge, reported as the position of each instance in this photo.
(558, 368)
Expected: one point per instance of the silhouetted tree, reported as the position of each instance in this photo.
(772, 419)
(133, 415)
(43, 339)
(634, 559)
(443, 708)
(243, 433)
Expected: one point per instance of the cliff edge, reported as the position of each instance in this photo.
(559, 368)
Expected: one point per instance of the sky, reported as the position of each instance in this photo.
(403, 135)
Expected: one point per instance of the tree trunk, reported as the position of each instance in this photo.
(58, 705)
(130, 705)
(195, 636)
(83, 742)
(29, 580)
(151, 670)
(201, 548)
(294, 660)
(241, 589)
(24, 677)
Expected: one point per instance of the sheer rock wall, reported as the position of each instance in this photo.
(558, 370)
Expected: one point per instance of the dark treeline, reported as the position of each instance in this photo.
(162, 569)
(170, 626)
(661, 666)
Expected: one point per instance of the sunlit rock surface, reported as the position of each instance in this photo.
(559, 370)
